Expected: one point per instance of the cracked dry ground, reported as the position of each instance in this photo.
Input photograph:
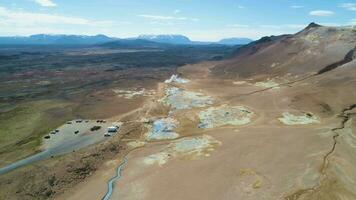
(264, 159)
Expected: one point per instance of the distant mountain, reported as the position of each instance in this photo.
(170, 39)
(44, 39)
(235, 41)
(134, 43)
(181, 39)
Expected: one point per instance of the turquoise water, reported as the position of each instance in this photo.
(163, 129)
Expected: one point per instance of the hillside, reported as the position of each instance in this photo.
(306, 52)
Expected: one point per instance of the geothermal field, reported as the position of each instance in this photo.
(273, 121)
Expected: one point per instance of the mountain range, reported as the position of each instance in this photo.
(46, 39)
(235, 41)
(170, 39)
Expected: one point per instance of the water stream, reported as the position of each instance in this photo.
(112, 181)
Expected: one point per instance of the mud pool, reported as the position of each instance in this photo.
(267, 84)
(163, 129)
(134, 93)
(186, 148)
(179, 99)
(224, 115)
(291, 119)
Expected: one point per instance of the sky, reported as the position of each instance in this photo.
(200, 20)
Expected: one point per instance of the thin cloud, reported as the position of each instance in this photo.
(163, 23)
(321, 13)
(46, 3)
(296, 26)
(167, 18)
(237, 25)
(297, 6)
(19, 17)
(23, 23)
(270, 26)
(176, 11)
(267, 26)
(349, 6)
(331, 24)
(284, 26)
(253, 32)
(353, 22)
(240, 6)
(161, 17)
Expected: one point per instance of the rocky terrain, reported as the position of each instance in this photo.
(274, 121)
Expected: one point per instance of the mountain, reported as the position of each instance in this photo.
(134, 43)
(181, 39)
(44, 39)
(310, 75)
(170, 39)
(306, 52)
(48, 39)
(235, 41)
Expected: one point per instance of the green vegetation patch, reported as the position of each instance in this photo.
(22, 128)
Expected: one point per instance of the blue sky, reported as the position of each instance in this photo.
(205, 20)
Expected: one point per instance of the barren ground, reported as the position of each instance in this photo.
(264, 159)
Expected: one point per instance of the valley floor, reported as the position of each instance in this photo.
(204, 137)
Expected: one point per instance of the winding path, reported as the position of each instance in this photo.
(112, 181)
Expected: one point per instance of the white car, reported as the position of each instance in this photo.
(112, 129)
